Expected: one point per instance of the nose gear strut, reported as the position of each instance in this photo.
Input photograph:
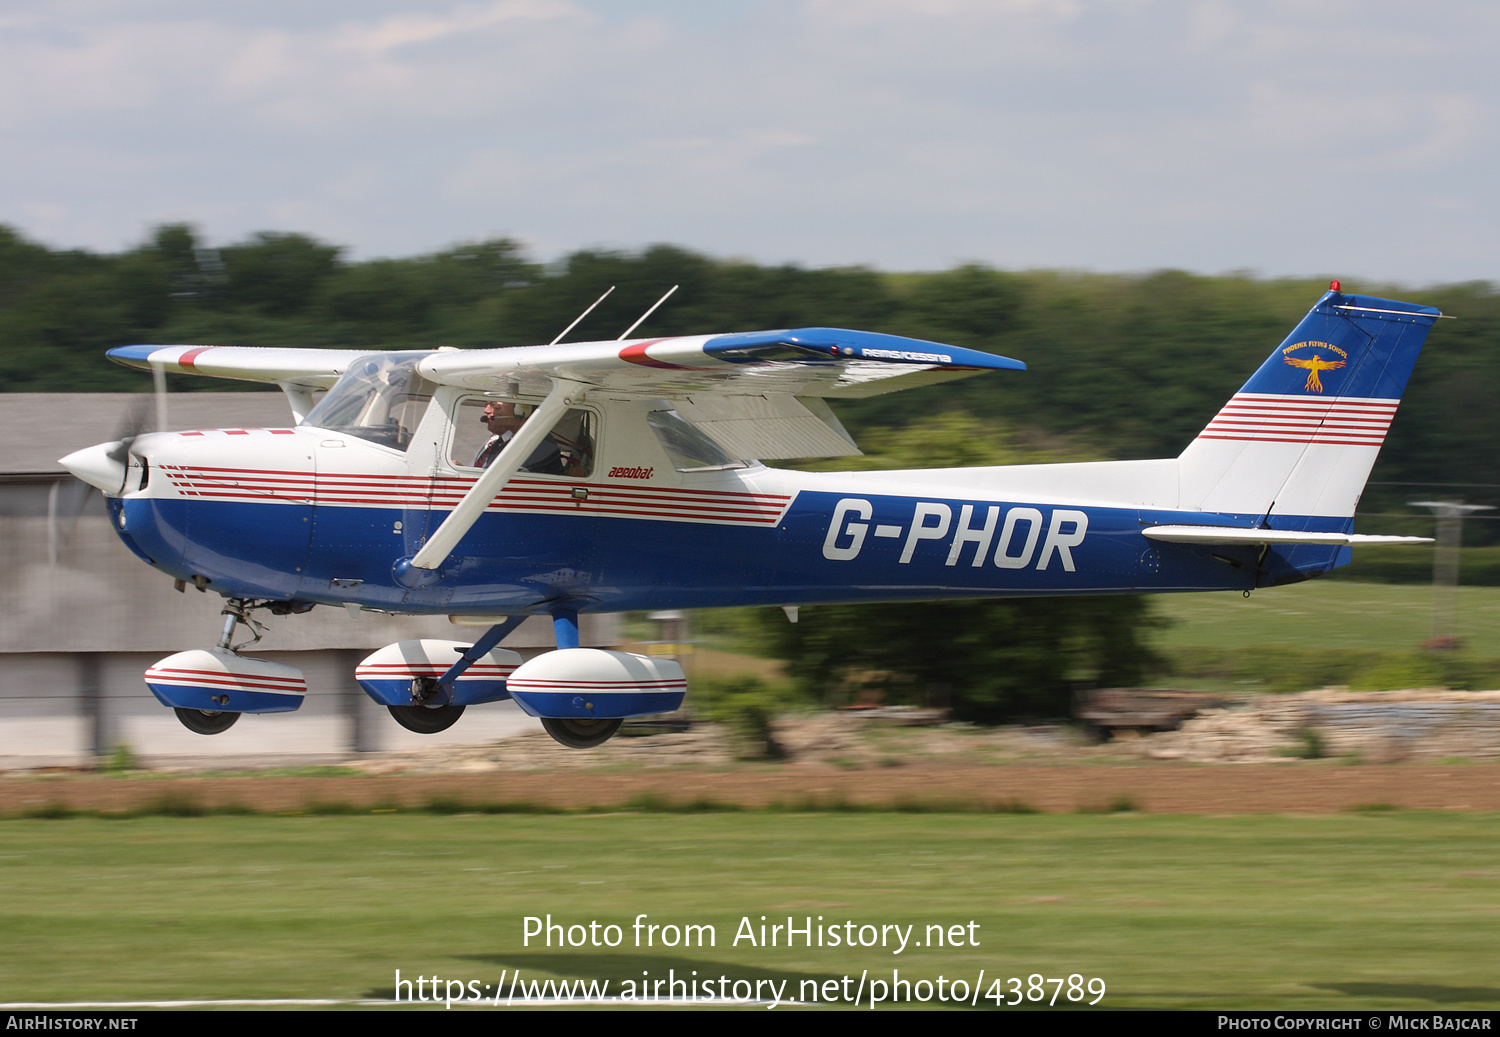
(238, 611)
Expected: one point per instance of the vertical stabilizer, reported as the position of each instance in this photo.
(1299, 439)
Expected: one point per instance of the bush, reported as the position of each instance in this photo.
(122, 760)
(987, 661)
(748, 705)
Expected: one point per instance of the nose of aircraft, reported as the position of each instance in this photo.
(101, 465)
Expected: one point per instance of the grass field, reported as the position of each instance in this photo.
(1389, 910)
(1328, 614)
(1368, 636)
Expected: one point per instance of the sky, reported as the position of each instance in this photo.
(1315, 137)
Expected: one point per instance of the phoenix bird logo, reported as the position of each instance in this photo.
(1314, 365)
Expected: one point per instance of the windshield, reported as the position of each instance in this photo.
(380, 398)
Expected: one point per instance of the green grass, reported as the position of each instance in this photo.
(1358, 911)
(1365, 635)
(1324, 614)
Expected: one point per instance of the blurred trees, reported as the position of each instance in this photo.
(278, 275)
(1120, 366)
(988, 661)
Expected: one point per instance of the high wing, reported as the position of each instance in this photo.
(313, 368)
(825, 362)
(758, 393)
(299, 372)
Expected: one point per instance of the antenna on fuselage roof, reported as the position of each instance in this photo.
(648, 313)
(582, 315)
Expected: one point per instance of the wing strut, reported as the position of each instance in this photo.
(442, 542)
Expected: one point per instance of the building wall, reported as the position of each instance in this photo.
(69, 710)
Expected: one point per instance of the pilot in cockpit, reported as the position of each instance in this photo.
(504, 419)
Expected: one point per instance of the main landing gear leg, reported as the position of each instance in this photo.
(565, 628)
(432, 709)
(575, 732)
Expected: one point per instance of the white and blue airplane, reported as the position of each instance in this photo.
(612, 476)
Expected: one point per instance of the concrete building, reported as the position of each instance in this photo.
(81, 617)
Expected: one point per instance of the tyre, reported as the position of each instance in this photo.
(580, 734)
(426, 720)
(206, 721)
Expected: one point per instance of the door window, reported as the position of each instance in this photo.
(483, 426)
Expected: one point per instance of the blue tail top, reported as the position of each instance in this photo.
(1347, 345)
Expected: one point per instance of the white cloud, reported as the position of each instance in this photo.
(905, 133)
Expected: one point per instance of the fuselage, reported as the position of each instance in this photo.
(316, 515)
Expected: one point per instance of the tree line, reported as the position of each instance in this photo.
(1120, 366)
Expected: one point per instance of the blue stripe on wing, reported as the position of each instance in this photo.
(811, 345)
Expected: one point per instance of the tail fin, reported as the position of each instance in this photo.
(1299, 439)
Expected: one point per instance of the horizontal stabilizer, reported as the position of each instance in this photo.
(1242, 535)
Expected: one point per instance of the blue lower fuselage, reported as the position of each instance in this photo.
(827, 547)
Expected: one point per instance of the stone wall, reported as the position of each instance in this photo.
(1376, 727)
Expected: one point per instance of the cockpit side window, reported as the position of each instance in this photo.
(380, 399)
(568, 449)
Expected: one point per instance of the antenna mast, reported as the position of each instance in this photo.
(582, 315)
(648, 313)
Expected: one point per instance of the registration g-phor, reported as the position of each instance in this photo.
(568, 478)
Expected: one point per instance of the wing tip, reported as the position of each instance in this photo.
(131, 356)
